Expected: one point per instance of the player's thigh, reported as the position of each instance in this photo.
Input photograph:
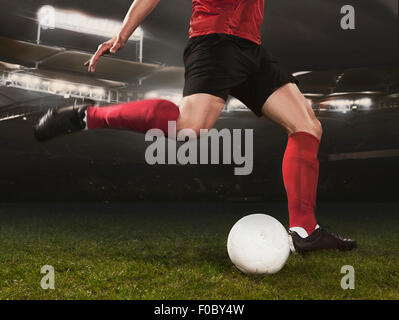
(289, 108)
(199, 111)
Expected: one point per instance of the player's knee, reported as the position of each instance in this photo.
(312, 126)
(318, 128)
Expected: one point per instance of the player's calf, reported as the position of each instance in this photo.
(139, 116)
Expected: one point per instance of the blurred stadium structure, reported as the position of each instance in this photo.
(44, 67)
(358, 106)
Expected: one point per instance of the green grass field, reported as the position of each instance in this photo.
(133, 252)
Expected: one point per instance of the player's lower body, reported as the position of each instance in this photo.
(218, 65)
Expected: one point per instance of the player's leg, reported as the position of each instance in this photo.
(137, 116)
(205, 90)
(198, 111)
(272, 92)
(288, 108)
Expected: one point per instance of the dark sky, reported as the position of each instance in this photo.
(304, 34)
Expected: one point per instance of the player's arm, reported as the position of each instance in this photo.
(138, 11)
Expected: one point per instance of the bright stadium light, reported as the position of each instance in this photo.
(176, 98)
(26, 79)
(151, 95)
(364, 102)
(235, 105)
(35, 81)
(46, 17)
(57, 87)
(15, 77)
(300, 73)
(345, 105)
(49, 17)
(337, 105)
(315, 95)
(85, 90)
(52, 18)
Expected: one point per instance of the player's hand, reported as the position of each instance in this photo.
(111, 46)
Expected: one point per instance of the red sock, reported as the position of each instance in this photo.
(139, 116)
(300, 174)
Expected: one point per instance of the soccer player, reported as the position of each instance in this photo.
(223, 56)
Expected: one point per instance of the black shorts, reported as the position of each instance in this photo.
(222, 65)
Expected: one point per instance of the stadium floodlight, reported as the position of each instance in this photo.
(46, 17)
(176, 98)
(300, 73)
(52, 18)
(14, 77)
(315, 95)
(57, 87)
(98, 92)
(84, 89)
(235, 105)
(344, 105)
(364, 102)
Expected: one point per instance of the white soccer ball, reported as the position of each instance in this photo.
(258, 244)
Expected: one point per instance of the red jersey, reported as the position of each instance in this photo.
(242, 18)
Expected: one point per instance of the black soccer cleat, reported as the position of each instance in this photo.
(61, 121)
(321, 239)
